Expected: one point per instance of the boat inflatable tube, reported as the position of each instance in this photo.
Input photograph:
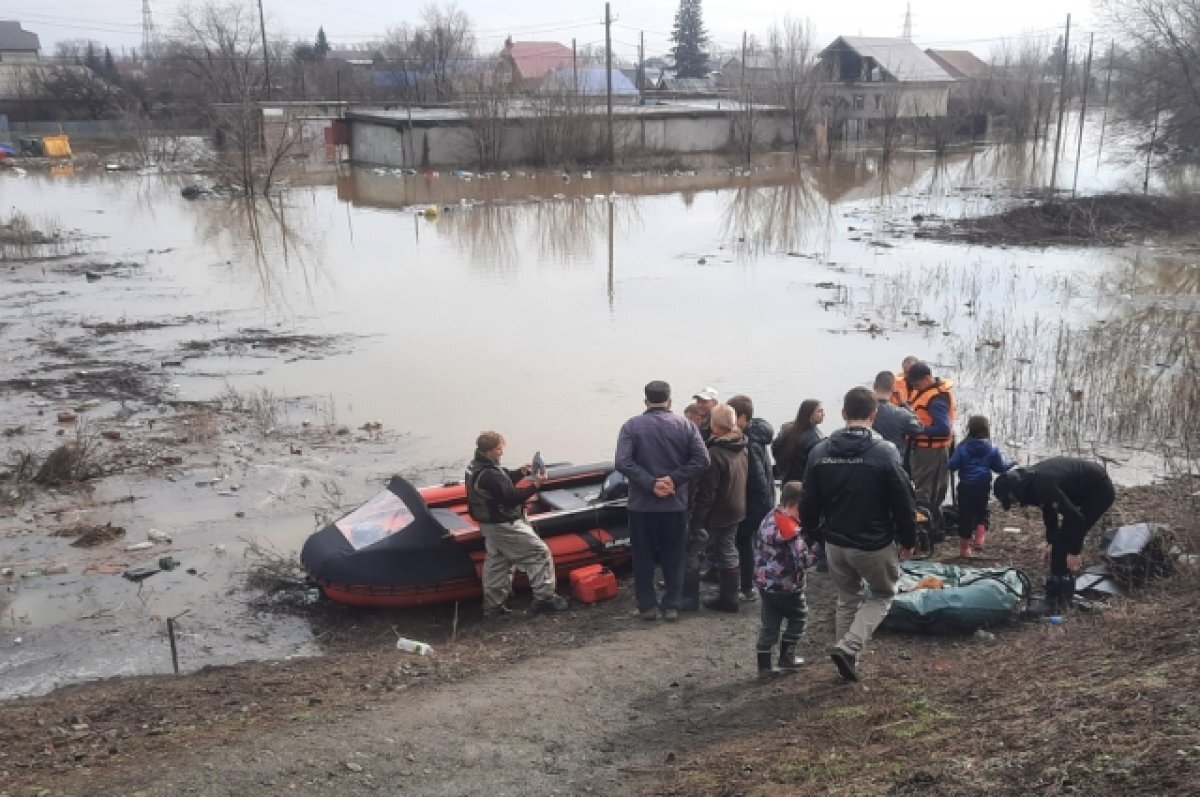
(937, 598)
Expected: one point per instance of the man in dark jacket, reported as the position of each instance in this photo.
(720, 502)
(857, 493)
(893, 422)
(659, 453)
(498, 506)
(1073, 495)
(760, 488)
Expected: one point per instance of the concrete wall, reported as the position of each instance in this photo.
(389, 142)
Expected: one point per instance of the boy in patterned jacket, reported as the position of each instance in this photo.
(782, 559)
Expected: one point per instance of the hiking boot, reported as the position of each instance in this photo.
(765, 670)
(550, 605)
(726, 600)
(670, 615)
(980, 535)
(496, 612)
(748, 596)
(649, 615)
(788, 660)
(846, 663)
(964, 548)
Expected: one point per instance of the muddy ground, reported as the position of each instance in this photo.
(597, 702)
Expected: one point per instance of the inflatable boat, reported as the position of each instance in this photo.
(411, 547)
(938, 598)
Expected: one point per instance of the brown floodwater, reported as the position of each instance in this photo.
(538, 304)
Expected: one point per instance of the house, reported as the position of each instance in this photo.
(356, 56)
(975, 86)
(17, 45)
(590, 82)
(523, 65)
(759, 70)
(874, 78)
(686, 87)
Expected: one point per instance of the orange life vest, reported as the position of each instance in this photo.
(900, 394)
(920, 405)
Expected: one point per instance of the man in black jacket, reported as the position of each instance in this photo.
(1075, 490)
(719, 502)
(857, 493)
(498, 506)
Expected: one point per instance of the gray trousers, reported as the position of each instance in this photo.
(724, 539)
(931, 478)
(515, 545)
(849, 569)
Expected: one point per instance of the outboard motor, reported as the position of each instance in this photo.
(614, 487)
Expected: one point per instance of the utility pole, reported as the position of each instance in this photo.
(262, 26)
(1087, 75)
(574, 66)
(744, 99)
(612, 143)
(641, 66)
(1112, 51)
(1062, 101)
(1153, 136)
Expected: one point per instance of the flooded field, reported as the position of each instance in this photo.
(277, 362)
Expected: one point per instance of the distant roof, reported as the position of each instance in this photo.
(591, 82)
(900, 58)
(354, 56)
(961, 64)
(14, 38)
(695, 85)
(534, 59)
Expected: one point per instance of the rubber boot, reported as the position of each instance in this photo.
(788, 660)
(964, 548)
(691, 592)
(727, 598)
(980, 535)
(1059, 592)
(765, 670)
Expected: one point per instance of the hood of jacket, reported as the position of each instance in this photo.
(851, 442)
(733, 442)
(759, 430)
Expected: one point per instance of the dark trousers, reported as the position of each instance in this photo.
(972, 507)
(776, 608)
(746, 532)
(658, 538)
(1072, 532)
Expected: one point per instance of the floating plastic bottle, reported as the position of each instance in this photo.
(413, 646)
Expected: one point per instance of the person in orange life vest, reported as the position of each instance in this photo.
(901, 392)
(929, 454)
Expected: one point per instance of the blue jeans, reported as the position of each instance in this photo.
(658, 538)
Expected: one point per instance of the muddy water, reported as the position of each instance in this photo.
(534, 304)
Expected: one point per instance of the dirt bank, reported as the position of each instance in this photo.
(597, 702)
(1105, 220)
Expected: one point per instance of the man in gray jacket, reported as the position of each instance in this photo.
(659, 452)
(893, 422)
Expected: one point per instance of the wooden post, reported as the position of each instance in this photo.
(1087, 75)
(1062, 101)
(174, 652)
(262, 26)
(1112, 50)
(612, 143)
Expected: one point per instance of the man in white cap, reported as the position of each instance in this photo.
(705, 399)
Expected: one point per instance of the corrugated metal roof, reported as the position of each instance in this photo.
(13, 37)
(900, 58)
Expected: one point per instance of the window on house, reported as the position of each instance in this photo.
(878, 102)
(860, 101)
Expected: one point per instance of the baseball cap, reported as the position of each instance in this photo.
(707, 394)
(657, 391)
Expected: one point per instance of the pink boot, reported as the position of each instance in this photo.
(980, 535)
(964, 548)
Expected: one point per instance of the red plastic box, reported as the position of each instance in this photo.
(593, 583)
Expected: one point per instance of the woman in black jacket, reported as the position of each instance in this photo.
(796, 440)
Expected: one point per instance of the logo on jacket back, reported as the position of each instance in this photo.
(841, 461)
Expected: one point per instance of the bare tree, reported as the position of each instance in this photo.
(445, 40)
(797, 79)
(1163, 37)
(487, 108)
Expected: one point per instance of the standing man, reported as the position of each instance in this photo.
(498, 506)
(760, 488)
(1073, 495)
(901, 391)
(857, 493)
(705, 399)
(929, 457)
(893, 422)
(720, 503)
(659, 452)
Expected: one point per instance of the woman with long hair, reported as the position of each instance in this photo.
(796, 439)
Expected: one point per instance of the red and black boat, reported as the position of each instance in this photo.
(410, 547)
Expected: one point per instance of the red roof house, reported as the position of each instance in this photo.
(524, 64)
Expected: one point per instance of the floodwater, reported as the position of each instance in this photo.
(539, 305)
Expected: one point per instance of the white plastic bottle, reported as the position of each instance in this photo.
(413, 646)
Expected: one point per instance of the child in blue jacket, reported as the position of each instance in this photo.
(975, 460)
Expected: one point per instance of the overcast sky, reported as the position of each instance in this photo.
(954, 24)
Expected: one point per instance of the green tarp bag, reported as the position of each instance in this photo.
(970, 598)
